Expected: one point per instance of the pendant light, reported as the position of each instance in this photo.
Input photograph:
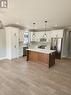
(33, 36)
(45, 34)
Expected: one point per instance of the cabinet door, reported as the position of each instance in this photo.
(44, 58)
(14, 51)
(33, 56)
(20, 51)
(14, 35)
(20, 43)
(15, 44)
(21, 33)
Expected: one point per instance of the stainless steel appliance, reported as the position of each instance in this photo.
(56, 44)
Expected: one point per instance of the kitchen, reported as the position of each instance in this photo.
(20, 40)
(35, 47)
(54, 40)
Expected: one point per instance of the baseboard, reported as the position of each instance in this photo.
(3, 58)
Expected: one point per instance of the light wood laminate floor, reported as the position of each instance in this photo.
(18, 77)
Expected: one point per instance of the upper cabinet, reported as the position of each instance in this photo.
(50, 34)
(38, 39)
(21, 33)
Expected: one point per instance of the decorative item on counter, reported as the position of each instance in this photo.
(42, 46)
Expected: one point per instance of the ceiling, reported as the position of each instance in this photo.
(25, 12)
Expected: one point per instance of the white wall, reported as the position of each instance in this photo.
(2, 43)
(28, 11)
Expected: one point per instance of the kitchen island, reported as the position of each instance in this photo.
(41, 56)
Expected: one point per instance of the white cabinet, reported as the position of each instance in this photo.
(50, 34)
(12, 44)
(21, 33)
(13, 47)
(39, 35)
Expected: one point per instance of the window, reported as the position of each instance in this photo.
(3, 3)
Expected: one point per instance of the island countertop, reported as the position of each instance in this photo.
(46, 51)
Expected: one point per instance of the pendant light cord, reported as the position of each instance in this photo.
(45, 35)
(33, 32)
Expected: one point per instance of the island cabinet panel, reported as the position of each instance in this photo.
(44, 58)
(51, 59)
(33, 56)
(41, 57)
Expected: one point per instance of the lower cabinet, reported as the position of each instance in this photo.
(20, 51)
(24, 50)
(41, 57)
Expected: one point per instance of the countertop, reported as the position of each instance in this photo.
(46, 51)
